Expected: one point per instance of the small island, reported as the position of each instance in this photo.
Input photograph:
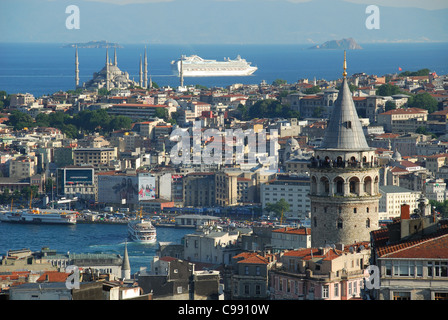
(345, 44)
(93, 44)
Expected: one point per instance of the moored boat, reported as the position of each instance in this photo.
(39, 216)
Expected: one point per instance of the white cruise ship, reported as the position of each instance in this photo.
(142, 231)
(39, 216)
(195, 66)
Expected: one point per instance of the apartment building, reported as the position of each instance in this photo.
(403, 120)
(22, 167)
(392, 197)
(214, 247)
(412, 259)
(94, 156)
(250, 278)
(321, 273)
(291, 238)
(294, 189)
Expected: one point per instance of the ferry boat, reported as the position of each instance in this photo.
(195, 66)
(142, 231)
(40, 216)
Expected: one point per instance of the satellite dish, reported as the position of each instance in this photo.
(351, 249)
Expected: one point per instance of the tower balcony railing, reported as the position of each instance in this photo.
(329, 164)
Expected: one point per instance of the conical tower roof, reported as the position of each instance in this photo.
(344, 130)
(126, 265)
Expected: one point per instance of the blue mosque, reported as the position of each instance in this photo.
(110, 76)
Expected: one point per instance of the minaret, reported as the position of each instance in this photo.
(115, 57)
(181, 73)
(140, 83)
(145, 81)
(107, 70)
(76, 68)
(126, 266)
(344, 178)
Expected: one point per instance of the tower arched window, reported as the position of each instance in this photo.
(354, 185)
(367, 223)
(315, 221)
(339, 184)
(313, 185)
(368, 185)
(325, 184)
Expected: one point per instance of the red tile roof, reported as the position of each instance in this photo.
(302, 231)
(434, 245)
(53, 276)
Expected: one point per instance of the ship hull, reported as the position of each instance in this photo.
(197, 67)
(30, 218)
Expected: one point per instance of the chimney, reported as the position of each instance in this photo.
(405, 212)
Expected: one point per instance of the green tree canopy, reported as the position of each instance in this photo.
(278, 82)
(312, 90)
(20, 120)
(421, 72)
(278, 208)
(270, 108)
(424, 101)
(387, 90)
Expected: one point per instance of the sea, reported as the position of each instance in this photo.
(45, 68)
(86, 238)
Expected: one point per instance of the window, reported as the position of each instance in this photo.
(402, 295)
(441, 296)
(339, 223)
(336, 289)
(404, 268)
(368, 223)
(246, 270)
(257, 270)
(246, 289)
(440, 269)
(388, 268)
(179, 290)
(257, 289)
(325, 291)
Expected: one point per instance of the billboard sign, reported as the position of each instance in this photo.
(75, 176)
(147, 187)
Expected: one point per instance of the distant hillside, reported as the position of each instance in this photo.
(94, 44)
(345, 44)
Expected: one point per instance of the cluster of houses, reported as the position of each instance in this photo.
(135, 168)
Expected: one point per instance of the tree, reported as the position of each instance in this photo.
(421, 72)
(279, 208)
(441, 207)
(312, 90)
(278, 82)
(387, 90)
(161, 113)
(119, 122)
(390, 105)
(424, 101)
(20, 120)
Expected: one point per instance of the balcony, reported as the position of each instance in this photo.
(341, 165)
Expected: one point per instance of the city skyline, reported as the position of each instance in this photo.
(224, 21)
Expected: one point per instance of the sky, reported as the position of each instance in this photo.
(223, 21)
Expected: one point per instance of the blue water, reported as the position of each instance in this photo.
(85, 238)
(46, 68)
